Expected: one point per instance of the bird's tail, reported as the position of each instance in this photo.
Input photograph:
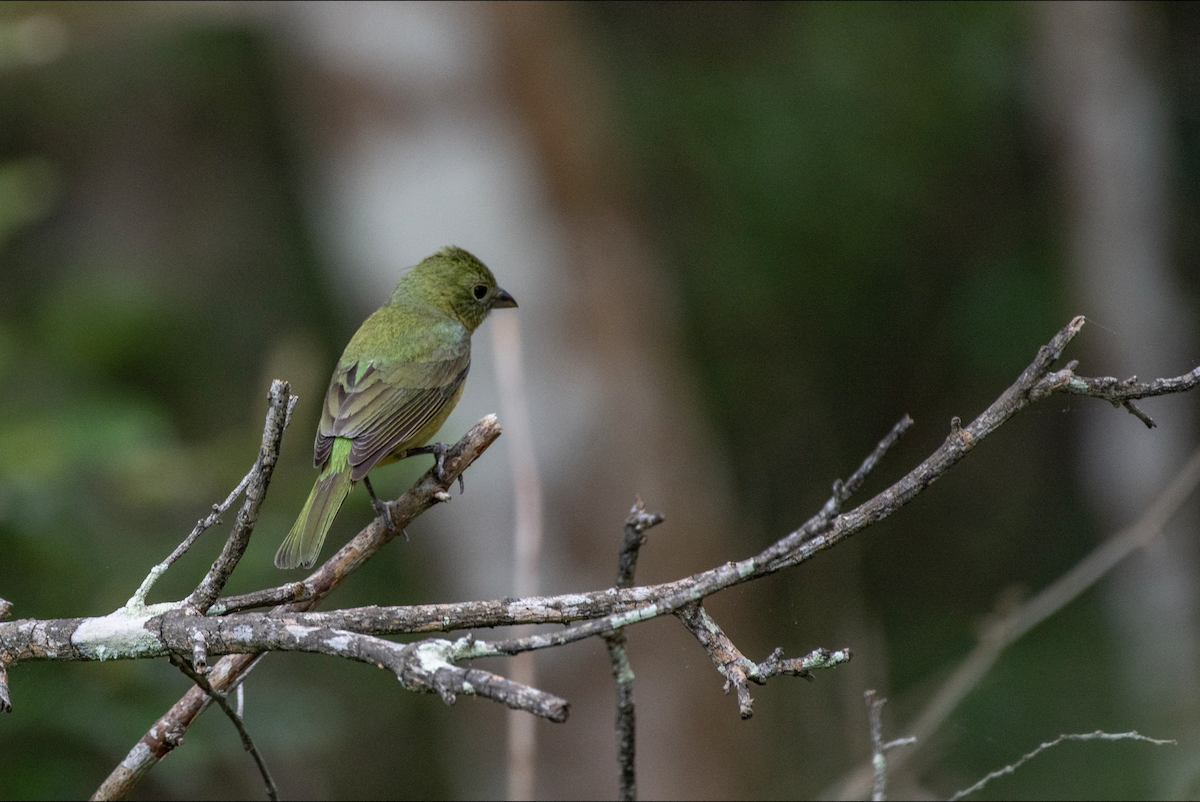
(303, 543)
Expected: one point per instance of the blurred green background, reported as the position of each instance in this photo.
(855, 212)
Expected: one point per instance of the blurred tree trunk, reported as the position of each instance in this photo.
(1106, 112)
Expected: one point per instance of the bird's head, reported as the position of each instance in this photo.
(455, 282)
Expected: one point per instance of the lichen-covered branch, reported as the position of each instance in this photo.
(168, 731)
(739, 671)
(431, 665)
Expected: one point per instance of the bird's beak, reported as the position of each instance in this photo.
(502, 300)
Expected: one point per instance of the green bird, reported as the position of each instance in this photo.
(394, 387)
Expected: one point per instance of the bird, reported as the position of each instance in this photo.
(393, 388)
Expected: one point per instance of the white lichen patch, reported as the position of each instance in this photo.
(120, 634)
(339, 643)
(432, 654)
(299, 632)
(242, 633)
(136, 756)
(151, 610)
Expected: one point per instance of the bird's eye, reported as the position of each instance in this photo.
(479, 291)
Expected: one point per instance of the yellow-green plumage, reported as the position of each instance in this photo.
(397, 381)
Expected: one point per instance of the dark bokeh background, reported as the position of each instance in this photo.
(840, 213)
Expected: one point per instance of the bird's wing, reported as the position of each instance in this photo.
(379, 404)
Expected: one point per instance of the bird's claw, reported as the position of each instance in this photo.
(439, 468)
(438, 450)
(439, 462)
(382, 508)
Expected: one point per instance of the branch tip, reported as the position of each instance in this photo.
(1142, 416)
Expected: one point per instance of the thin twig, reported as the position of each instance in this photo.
(739, 671)
(878, 747)
(138, 599)
(636, 526)
(819, 533)
(268, 597)
(1055, 596)
(236, 717)
(878, 761)
(1136, 411)
(279, 412)
(626, 722)
(1086, 736)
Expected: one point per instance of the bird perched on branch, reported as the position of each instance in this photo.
(394, 386)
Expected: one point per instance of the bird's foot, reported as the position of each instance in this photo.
(438, 450)
(382, 508)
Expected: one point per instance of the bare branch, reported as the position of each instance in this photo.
(878, 761)
(269, 597)
(822, 531)
(1007, 629)
(168, 731)
(1119, 392)
(430, 665)
(878, 747)
(234, 716)
(1136, 411)
(426, 665)
(279, 412)
(636, 526)
(1086, 736)
(739, 671)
